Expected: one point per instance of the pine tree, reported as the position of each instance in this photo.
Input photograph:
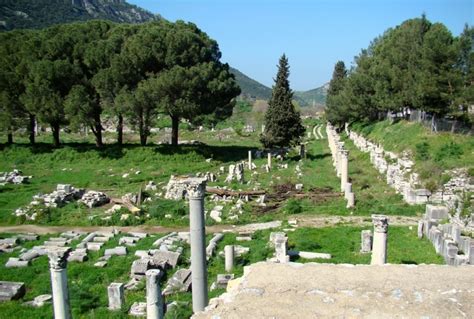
(282, 123)
(334, 106)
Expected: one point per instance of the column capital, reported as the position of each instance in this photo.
(58, 257)
(380, 223)
(195, 186)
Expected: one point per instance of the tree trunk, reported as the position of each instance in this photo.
(98, 131)
(31, 128)
(143, 135)
(174, 130)
(55, 128)
(120, 130)
(10, 137)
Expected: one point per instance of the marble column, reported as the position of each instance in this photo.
(250, 160)
(229, 257)
(196, 190)
(154, 299)
(379, 245)
(344, 165)
(269, 160)
(58, 268)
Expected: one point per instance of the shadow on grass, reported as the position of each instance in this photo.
(409, 262)
(227, 153)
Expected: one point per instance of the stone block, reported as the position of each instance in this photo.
(366, 241)
(223, 279)
(168, 258)
(140, 266)
(179, 282)
(29, 255)
(94, 246)
(117, 251)
(420, 229)
(128, 240)
(16, 263)
(116, 295)
(138, 309)
(10, 290)
(436, 212)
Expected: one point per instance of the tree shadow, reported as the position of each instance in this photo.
(409, 262)
(227, 153)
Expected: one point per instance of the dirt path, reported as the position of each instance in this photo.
(302, 221)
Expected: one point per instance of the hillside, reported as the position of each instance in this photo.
(255, 90)
(28, 14)
(312, 97)
(251, 88)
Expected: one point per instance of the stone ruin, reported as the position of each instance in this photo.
(340, 158)
(236, 172)
(401, 176)
(447, 238)
(14, 177)
(64, 194)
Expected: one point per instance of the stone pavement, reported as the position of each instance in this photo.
(292, 290)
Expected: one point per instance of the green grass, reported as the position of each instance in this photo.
(84, 166)
(88, 284)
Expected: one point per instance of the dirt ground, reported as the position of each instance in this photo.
(302, 221)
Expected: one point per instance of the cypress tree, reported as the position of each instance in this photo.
(282, 123)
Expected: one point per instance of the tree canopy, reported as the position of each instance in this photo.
(282, 123)
(417, 65)
(71, 74)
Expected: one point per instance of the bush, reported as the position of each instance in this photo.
(422, 151)
(293, 206)
(450, 150)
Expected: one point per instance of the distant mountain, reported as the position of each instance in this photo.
(33, 14)
(251, 89)
(312, 97)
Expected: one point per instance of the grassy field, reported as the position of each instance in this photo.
(88, 284)
(79, 163)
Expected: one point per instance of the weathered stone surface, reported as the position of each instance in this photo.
(138, 309)
(40, 301)
(10, 290)
(95, 199)
(140, 266)
(366, 241)
(309, 255)
(179, 282)
(117, 251)
(166, 258)
(16, 263)
(116, 295)
(223, 279)
(269, 290)
(436, 212)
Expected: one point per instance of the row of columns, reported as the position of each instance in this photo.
(340, 158)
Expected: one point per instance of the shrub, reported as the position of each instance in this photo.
(450, 150)
(422, 151)
(293, 206)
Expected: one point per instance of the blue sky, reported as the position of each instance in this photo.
(252, 34)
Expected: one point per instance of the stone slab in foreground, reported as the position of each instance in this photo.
(269, 290)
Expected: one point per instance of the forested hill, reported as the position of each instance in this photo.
(251, 88)
(34, 14)
(256, 90)
(312, 97)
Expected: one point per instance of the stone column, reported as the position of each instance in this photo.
(57, 266)
(229, 257)
(350, 200)
(379, 245)
(154, 299)
(250, 160)
(347, 190)
(116, 295)
(344, 169)
(196, 190)
(269, 160)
